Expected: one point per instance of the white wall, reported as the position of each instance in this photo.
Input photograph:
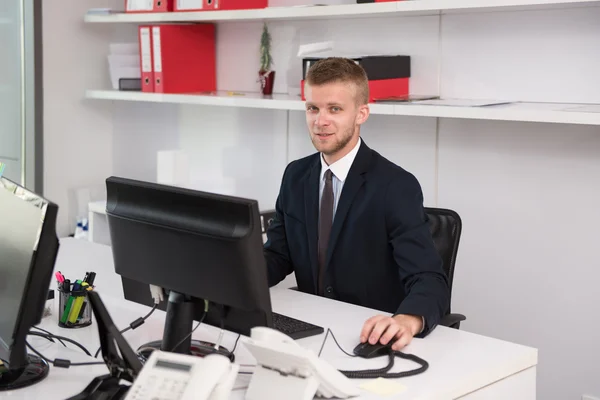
(77, 133)
(528, 268)
(527, 192)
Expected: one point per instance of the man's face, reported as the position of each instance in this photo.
(333, 117)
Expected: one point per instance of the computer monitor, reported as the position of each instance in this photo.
(28, 249)
(198, 246)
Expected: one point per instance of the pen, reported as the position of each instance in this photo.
(74, 314)
(67, 310)
(88, 289)
(91, 278)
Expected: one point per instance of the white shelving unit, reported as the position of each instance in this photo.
(524, 112)
(518, 111)
(386, 9)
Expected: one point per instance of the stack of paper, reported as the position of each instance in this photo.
(461, 102)
(123, 62)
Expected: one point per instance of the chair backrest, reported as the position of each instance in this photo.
(445, 226)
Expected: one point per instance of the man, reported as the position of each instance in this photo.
(350, 223)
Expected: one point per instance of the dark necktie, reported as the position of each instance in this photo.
(325, 222)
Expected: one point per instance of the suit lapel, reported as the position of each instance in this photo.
(354, 181)
(311, 209)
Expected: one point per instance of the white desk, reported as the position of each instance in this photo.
(462, 365)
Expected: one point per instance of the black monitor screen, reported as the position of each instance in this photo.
(21, 220)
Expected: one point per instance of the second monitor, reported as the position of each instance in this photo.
(199, 247)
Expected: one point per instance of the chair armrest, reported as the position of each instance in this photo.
(452, 320)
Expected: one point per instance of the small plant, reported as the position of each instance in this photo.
(266, 60)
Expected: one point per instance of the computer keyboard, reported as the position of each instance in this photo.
(295, 328)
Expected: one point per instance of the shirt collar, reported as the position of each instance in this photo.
(341, 167)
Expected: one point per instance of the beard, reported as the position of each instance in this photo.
(334, 146)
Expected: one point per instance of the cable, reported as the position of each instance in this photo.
(189, 334)
(336, 342)
(61, 338)
(236, 342)
(59, 362)
(49, 333)
(140, 321)
(197, 325)
(134, 325)
(381, 372)
(224, 312)
(47, 337)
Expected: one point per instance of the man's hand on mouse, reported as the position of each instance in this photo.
(400, 328)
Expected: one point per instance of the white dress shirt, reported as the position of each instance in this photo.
(340, 170)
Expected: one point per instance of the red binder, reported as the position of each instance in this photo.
(184, 58)
(144, 6)
(146, 65)
(207, 5)
(163, 5)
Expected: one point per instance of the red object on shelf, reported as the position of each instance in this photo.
(381, 88)
(211, 5)
(374, 1)
(164, 5)
(184, 58)
(146, 6)
(267, 80)
(146, 66)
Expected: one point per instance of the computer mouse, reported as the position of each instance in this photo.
(368, 350)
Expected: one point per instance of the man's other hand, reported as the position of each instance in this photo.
(400, 328)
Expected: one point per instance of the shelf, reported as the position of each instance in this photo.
(247, 100)
(385, 9)
(521, 111)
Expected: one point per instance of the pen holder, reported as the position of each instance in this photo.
(74, 310)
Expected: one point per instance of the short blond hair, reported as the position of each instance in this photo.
(340, 69)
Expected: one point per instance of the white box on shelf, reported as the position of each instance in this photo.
(124, 48)
(123, 62)
(98, 223)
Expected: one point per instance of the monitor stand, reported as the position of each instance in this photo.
(35, 370)
(176, 336)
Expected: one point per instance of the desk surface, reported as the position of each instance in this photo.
(460, 362)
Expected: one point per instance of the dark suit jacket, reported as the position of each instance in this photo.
(381, 254)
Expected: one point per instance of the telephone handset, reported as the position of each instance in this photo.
(184, 377)
(286, 370)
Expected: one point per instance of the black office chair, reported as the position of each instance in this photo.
(446, 226)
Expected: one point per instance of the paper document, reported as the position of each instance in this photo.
(96, 11)
(460, 102)
(411, 98)
(383, 387)
(311, 48)
(590, 108)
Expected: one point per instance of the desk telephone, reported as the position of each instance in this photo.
(171, 376)
(286, 370)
